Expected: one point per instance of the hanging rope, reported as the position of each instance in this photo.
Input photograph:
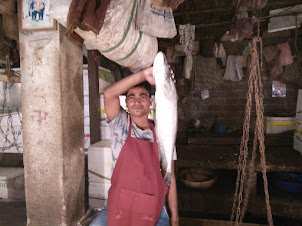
(255, 85)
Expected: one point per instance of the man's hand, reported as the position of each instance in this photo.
(172, 74)
(148, 75)
(174, 220)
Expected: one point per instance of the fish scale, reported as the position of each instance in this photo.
(166, 113)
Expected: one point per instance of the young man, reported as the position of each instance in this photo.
(138, 191)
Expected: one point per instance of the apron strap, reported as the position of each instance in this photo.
(152, 128)
(130, 126)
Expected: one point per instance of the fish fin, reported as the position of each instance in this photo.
(167, 178)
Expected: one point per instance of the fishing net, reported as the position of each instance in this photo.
(10, 117)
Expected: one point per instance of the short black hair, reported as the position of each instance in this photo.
(145, 85)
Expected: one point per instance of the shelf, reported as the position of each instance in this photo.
(216, 202)
(278, 159)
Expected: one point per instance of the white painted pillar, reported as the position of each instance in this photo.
(53, 119)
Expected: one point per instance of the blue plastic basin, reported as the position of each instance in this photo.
(221, 129)
(290, 182)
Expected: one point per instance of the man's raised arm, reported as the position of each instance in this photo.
(112, 93)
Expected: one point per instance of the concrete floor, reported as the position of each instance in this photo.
(12, 213)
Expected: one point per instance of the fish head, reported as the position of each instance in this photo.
(161, 70)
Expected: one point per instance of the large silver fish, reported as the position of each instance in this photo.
(166, 113)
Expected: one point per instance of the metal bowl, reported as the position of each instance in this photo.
(197, 178)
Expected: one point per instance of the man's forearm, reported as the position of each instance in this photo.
(123, 85)
(172, 198)
(112, 93)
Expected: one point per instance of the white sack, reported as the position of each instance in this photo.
(155, 22)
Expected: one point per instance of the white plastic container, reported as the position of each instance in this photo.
(99, 190)
(275, 125)
(12, 183)
(99, 169)
(100, 162)
(299, 106)
(298, 137)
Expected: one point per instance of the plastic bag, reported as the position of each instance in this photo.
(155, 22)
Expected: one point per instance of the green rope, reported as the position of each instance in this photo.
(135, 47)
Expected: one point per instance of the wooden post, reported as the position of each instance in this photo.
(94, 96)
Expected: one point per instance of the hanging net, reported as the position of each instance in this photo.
(10, 117)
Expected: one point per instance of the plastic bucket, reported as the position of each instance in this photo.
(275, 125)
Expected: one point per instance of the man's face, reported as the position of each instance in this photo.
(138, 101)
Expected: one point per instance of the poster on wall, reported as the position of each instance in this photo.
(34, 16)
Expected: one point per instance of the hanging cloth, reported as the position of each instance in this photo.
(244, 28)
(206, 73)
(187, 37)
(233, 69)
(285, 56)
(219, 52)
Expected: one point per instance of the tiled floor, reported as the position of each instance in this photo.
(12, 213)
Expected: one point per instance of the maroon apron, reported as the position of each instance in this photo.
(137, 192)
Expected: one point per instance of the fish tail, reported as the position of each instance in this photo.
(167, 178)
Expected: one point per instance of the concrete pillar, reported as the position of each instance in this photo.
(53, 119)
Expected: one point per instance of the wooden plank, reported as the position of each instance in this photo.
(94, 96)
(271, 140)
(11, 159)
(207, 222)
(278, 159)
(192, 12)
(12, 78)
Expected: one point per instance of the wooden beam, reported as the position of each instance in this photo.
(94, 96)
(202, 11)
(211, 25)
(284, 3)
(215, 10)
(262, 19)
